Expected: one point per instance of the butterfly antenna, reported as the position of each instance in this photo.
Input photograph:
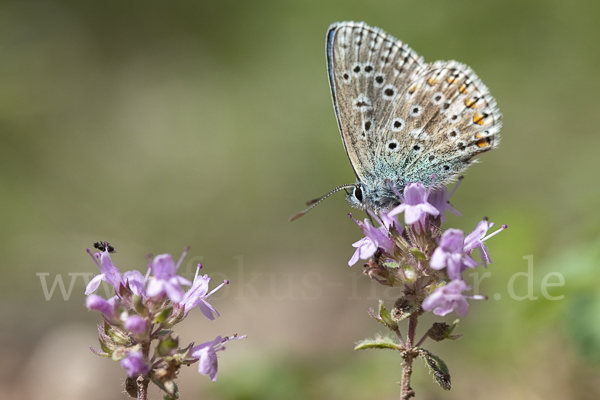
(313, 203)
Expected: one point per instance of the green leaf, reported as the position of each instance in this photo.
(437, 367)
(380, 342)
(384, 317)
(170, 387)
(118, 336)
(139, 306)
(167, 345)
(418, 254)
(163, 315)
(449, 334)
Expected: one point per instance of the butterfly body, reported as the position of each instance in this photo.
(403, 120)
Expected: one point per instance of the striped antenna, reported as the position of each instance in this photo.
(313, 203)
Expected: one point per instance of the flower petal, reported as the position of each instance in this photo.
(94, 283)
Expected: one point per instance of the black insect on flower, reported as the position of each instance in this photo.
(104, 246)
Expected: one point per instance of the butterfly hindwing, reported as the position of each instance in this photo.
(450, 118)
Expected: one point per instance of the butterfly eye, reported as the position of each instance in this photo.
(358, 193)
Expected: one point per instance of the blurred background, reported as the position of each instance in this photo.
(158, 125)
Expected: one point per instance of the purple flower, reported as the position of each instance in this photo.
(476, 238)
(137, 282)
(165, 279)
(136, 325)
(110, 273)
(415, 206)
(450, 254)
(448, 298)
(374, 238)
(206, 353)
(389, 223)
(197, 295)
(439, 199)
(134, 364)
(106, 307)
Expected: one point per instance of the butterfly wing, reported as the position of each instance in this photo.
(401, 119)
(448, 116)
(367, 70)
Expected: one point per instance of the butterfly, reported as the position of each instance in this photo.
(403, 120)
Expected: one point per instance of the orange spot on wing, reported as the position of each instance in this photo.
(462, 88)
(412, 89)
(450, 79)
(478, 135)
(481, 143)
(470, 103)
(431, 81)
(478, 119)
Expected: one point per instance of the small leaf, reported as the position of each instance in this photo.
(438, 368)
(449, 334)
(402, 309)
(176, 316)
(106, 349)
(167, 345)
(99, 353)
(119, 336)
(138, 305)
(384, 317)
(380, 342)
(440, 331)
(169, 387)
(418, 254)
(163, 315)
(175, 395)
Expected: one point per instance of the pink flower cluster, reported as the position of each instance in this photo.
(143, 308)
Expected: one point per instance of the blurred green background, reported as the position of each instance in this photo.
(155, 125)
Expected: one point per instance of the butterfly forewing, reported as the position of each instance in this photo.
(368, 71)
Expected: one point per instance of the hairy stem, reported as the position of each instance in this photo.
(399, 334)
(425, 336)
(406, 392)
(142, 381)
(412, 328)
(142, 387)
